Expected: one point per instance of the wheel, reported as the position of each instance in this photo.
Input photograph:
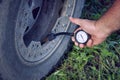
(25, 54)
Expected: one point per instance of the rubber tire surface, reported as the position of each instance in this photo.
(11, 68)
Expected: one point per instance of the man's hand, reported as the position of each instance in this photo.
(101, 28)
(98, 35)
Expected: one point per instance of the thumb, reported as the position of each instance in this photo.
(85, 24)
(77, 21)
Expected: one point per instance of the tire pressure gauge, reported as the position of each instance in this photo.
(81, 37)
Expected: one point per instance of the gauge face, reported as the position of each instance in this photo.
(81, 36)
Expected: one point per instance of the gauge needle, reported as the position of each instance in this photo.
(82, 37)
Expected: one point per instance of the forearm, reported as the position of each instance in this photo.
(110, 21)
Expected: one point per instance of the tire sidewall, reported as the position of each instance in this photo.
(11, 66)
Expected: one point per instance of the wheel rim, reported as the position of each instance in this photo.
(31, 50)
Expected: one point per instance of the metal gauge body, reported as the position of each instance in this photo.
(81, 37)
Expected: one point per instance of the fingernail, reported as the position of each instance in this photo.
(76, 44)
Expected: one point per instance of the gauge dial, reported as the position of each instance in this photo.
(81, 36)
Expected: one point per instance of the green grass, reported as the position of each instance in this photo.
(101, 62)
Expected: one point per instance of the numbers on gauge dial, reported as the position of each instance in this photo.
(81, 36)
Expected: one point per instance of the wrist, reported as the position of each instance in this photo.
(103, 29)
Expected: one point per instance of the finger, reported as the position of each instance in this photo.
(76, 20)
(81, 45)
(73, 39)
(76, 44)
(89, 43)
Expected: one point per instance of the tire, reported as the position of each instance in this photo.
(12, 65)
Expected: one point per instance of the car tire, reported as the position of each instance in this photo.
(12, 67)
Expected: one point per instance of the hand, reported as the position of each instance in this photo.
(98, 34)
